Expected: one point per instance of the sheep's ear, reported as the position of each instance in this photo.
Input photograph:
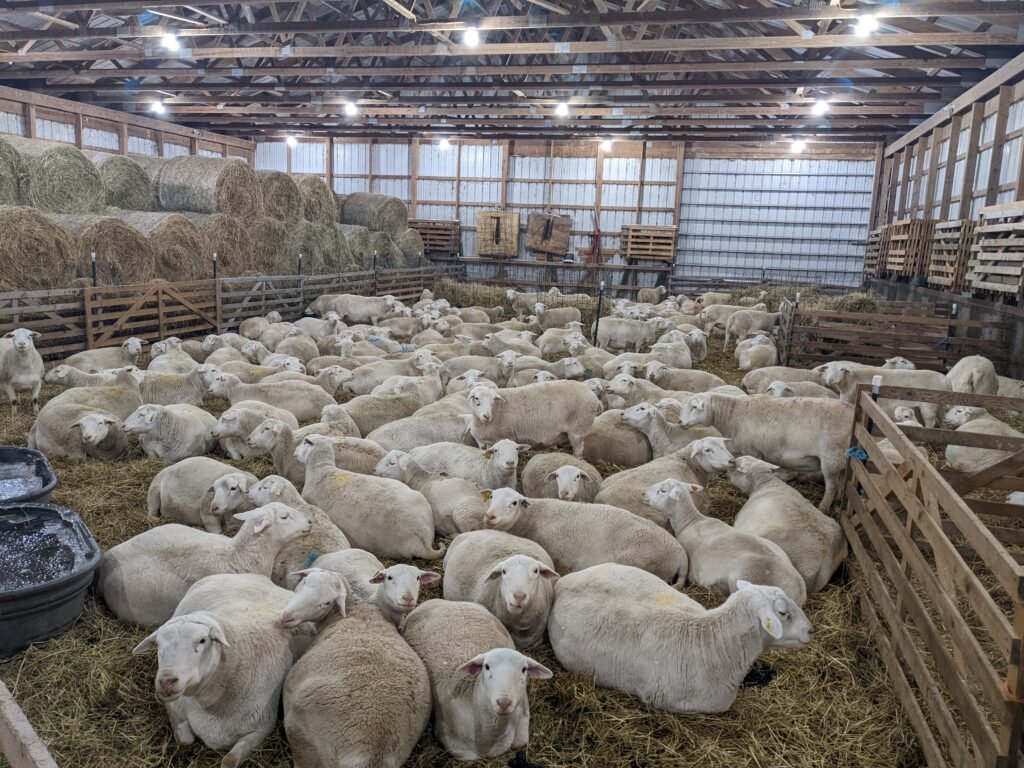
(495, 573)
(110, 420)
(497, 396)
(76, 424)
(428, 577)
(770, 622)
(146, 644)
(523, 447)
(743, 584)
(551, 476)
(473, 666)
(295, 577)
(537, 671)
(486, 495)
(217, 634)
(694, 488)
(488, 454)
(377, 578)
(548, 573)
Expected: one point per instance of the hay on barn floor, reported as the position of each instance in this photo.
(181, 251)
(282, 199)
(228, 237)
(123, 254)
(318, 203)
(210, 185)
(358, 241)
(35, 252)
(60, 178)
(383, 251)
(125, 183)
(410, 243)
(340, 202)
(380, 213)
(13, 175)
(267, 236)
(317, 245)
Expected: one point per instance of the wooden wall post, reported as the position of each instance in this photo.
(951, 153)
(998, 143)
(971, 161)
(876, 183)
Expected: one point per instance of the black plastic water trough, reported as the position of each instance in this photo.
(25, 475)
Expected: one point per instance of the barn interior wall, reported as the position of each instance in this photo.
(742, 212)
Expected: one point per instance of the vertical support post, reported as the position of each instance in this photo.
(92, 265)
(597, 315)
(302, 287)
(214, 265)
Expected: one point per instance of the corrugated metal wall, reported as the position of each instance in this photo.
(781, 218)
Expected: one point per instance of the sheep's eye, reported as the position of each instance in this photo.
(784, 614)
(487, 667)
(203, 641)
(390, 579)
(504, 572)
(524, 670)
(536, 571)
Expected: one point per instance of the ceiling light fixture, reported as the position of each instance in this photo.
(562, 110)
(351, 108)
(471, 37)
(606, 145)
(820, 107)
(170, 42)
(865, 26)
(158, 108)
(444, 144)
(798, 145)
(292, 141)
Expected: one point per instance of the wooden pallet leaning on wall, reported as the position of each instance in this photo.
(997, 265)
(951, 253)
(150, 311)
(640, 242)
(497, 234)
(908, 247)
(874, 253)
(913, 331)
(440, 238)
(943, 589)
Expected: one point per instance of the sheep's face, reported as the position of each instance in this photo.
(711, 454)
(569, 480)
(309, 444)
(390, 301)
(696, 337)
(696, 412)
(265, 435)
(400, 585)
(57, 375)
(289, 364)
(270, 489)
(779, 389)
(421, 357)
(335, 375)
(542, 376)
(638, 416)
(782, 620)
(207, 373)
(899, 363)
(745, 470)
(393, 465)
(284, 523)
(253, 350)
(228, 425)
(22, 339)
(510, 295)
(332, 317)
(464, 380)
(519, 580)
(273, 317)
(505, 508)
(621, 385)
(332, 413)
(503, 673)
(220, 383)
(668, 493)
(95, 427)
(833, 374)
(504, 455)
(654, 370)
(597, 386)
(212, 343)
(904, 414)
(959, 415)
(142, 419)
(188, 653)
(481, 402)
(133, 346)
(576, 344)
(539, 309)
(317, 593)
(230, 494)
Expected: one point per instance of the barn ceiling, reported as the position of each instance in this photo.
(715, 69)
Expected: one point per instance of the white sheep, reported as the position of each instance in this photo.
(66, 376)
(386, 703)
(252, 327)
(381, 515)
(328, 378)
(143, 579)
(167, 356)
(172, 432)
(427, 387)
(248, 373)
(511, 577)
(845, 378)
(651, 295)
(625, 629)
(96, 360)
(804, 434)
(758, 352)
(966, 418)
(393, 591)
(21, 367)
(302, 400)
(368, 376)
(747, 321)
(419, 430)
(684, 379)
(556, 340)
(298, 346)
(497, 369)
(491, 467)
(612, 441)
(318, 328)
(560, 476)
(371, 412)
(623, 333)
(569, 409)
(899, 362)
(457, 503)
(756, 381)
(481, 706)
(321, 537)
(780, 388)
(556, 317)
(467, 380)
(176, 388)
(714, 316)
(509, 341)
(223, 658)
(352, 308)
(664, 437)
(234, 426)
(974, 374)
(280, 441)
(199, 491)
(578, 535)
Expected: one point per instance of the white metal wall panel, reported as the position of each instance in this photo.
(391, 160)
(435, 161)
(174, 150)
(137, 145)
(660, 169)
(780, 219)
(94, 137)
(55, 131)
(435, 191)
(209, 153)
(348, 186)
(395, 187)
(309, 157)
(352, 158)
(1009, 169)
(622, 168)
(528, 167)
(480, 161)
(11, 122)
(272, 156)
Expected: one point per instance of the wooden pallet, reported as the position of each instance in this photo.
(951, 253)
(909, 247)
(997, 263)
(874, 254)
(548, 234)
(497, 234)
(645, 242)
(440, 238)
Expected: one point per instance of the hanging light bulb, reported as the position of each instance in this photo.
(170, 42)
(606, 145)
(292, 141)
(471, 37)
(820, 107)
(562, 110)
(444, 144)
(798, 145)
(865, 26)
(351, 108)
(158, 108)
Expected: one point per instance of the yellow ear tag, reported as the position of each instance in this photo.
(488, 454)
(486, 495)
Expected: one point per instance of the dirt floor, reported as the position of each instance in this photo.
(829, 705)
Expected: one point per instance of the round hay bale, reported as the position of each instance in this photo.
(35, 253)
(268, 236)
(125, 183)
(316, 244)
(181, 251)
(383, 251)
(123, 254)
(226, 236)
(379, 213)
(340, 201)
(13, 175)
(282, 199)
(210, 185)
(341, 256)
(358, 241)
(318, 203)
(60, 178)
(410, 243)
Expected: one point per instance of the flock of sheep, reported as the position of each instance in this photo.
(295, 603)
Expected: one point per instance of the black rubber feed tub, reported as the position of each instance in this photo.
(47, 560)
(25, 476)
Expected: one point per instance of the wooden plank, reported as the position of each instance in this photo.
(19, 743)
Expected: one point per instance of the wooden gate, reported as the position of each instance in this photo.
(150, 311)
(56, 315)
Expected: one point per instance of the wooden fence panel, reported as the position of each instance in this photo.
(151, 311)
(245, 297)
(944, 597)
(57, 315)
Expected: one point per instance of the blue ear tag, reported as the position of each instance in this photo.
(311, 558)
(856, 452)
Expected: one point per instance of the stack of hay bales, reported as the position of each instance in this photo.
(125, 182)
(37, 252)
(228, 238)
(386, 219)
(318, 203)
(210, 185)
(54, 177)
(282, 199)
(123, 254)
(178, 246)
